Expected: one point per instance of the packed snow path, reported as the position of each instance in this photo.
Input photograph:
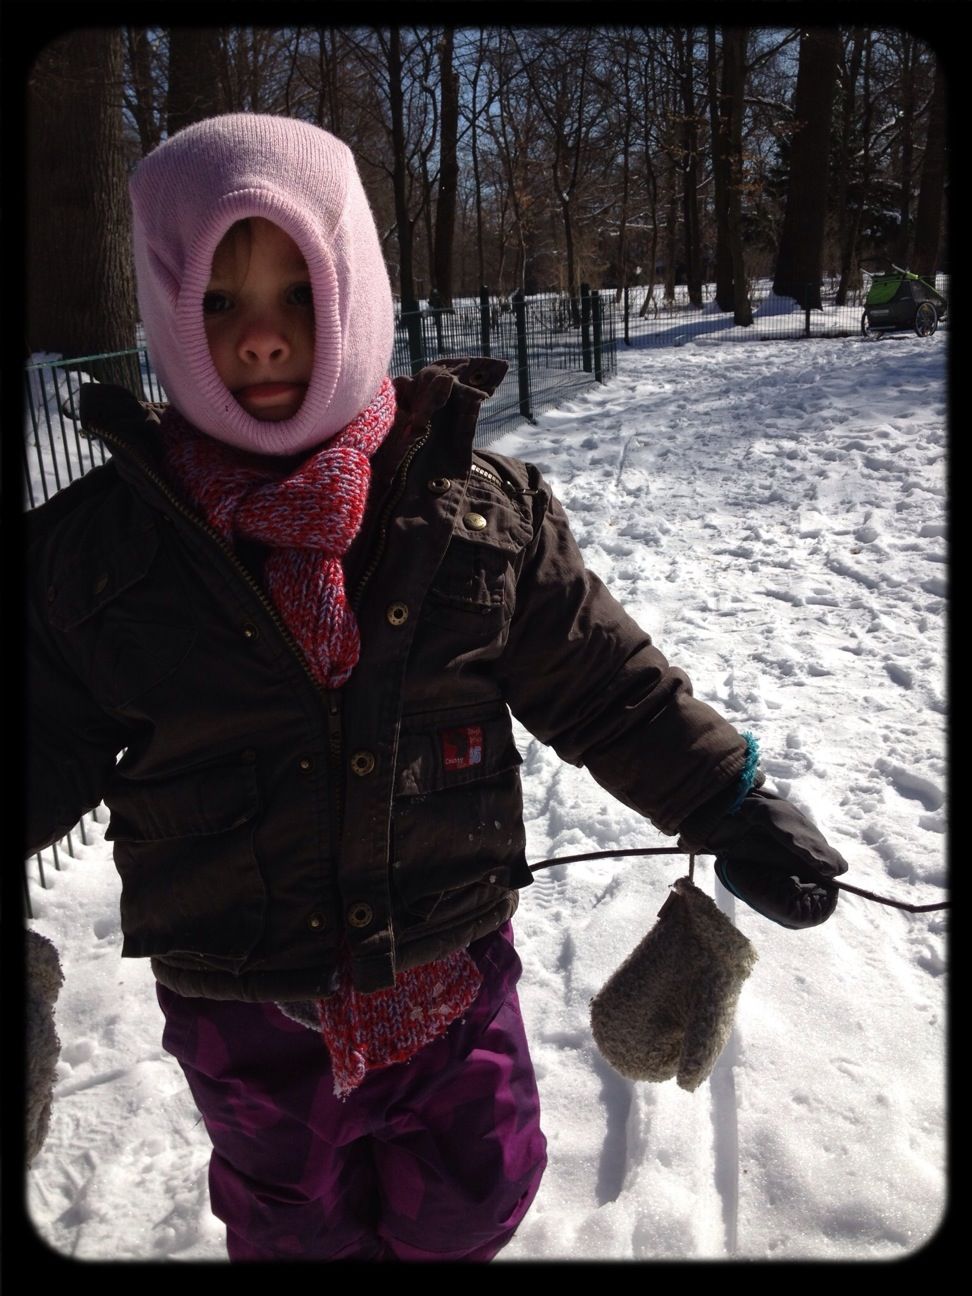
(774, 514)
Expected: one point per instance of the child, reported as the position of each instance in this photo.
(302, 609)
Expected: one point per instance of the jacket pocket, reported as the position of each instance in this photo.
(467, 612)
(473, 578)
(457, 818)
(190, 878)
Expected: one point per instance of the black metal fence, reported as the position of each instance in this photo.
(552, 350)
(646, 317)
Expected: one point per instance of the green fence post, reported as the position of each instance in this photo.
(596, 324)
(484, 320)
(522, 359)
(586, 327)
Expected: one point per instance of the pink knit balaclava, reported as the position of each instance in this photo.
(185, 196)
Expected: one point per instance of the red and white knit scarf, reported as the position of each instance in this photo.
(307, 518)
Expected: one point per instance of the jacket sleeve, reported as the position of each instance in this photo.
(585, 678)
(72, 744)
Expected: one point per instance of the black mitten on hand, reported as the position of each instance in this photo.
(771, 857)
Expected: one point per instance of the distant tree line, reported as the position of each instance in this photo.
(532, 159)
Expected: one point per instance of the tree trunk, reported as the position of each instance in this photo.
(623, 221)
(727, 111)
(800, 254)
(403, 222)
(195, 91)
(651, 183)
(721, 172)
(477, 178)
(570, 258)
(907, 131)
(690, 171)
(142, 99)
(80, 280)
(445, 207)
(733, 88)
(848, 212)
(671, 235)
(931, 196)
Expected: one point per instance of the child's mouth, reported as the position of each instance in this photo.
(270, 391)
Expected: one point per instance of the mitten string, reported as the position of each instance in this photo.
(677, 850)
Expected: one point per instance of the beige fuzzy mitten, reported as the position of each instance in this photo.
(668, 1009)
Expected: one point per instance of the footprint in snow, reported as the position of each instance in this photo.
(911, 785)
(900, 674)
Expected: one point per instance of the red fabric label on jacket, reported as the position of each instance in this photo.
(462, 748)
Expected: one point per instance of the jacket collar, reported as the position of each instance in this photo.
(128, 425)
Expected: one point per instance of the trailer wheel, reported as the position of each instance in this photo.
(926, 319)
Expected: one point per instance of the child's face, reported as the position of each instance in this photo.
(259, 317)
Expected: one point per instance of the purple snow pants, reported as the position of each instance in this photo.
(435, 1159)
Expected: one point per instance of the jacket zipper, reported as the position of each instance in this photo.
(506, 487)
(484, 472)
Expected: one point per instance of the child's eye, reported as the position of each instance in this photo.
(301, 295)
(215, 303)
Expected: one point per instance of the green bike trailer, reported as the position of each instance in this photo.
(899, 300)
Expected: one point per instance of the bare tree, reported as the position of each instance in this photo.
(195, 91)
(853, 157)
(907, 96)
(146, 74)
(515, 134)
(445, 208)
(928, 221)
(800, 254)
(580, 153)
(80, 281)
(476, 58)
(727, 112)
(689, 163)
(557, 67)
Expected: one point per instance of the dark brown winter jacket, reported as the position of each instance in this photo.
(259, 821)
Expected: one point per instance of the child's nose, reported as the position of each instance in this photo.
(263, 340)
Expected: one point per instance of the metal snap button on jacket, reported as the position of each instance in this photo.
(360, 915)
(396, 613)
(316, 921)
(362, 762)
(474, 521)
(305, 764)
(439, 485)
(250, 631)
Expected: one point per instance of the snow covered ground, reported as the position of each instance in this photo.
(775, 515)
